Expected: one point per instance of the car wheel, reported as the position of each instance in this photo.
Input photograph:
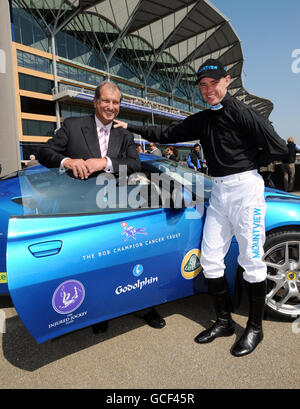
(282, 256)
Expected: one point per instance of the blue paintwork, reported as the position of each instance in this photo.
(282, 209)
(101, 265)
(120, 269)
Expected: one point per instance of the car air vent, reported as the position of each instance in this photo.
(18, 200)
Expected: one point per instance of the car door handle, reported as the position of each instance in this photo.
(46, 248)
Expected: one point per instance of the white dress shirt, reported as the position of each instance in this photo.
(99, 126)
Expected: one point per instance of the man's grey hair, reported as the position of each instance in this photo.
(111, 85)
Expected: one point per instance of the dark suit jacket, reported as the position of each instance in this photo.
(78, 139)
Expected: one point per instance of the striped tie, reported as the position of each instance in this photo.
(103, 141)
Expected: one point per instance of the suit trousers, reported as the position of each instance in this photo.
(237, 208)
(289, 173)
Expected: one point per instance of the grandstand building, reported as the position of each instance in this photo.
(62, 49)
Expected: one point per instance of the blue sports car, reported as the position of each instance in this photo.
(77, 252)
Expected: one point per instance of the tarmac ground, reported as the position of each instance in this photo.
(131, 355)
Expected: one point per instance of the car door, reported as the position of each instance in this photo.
(70, 265)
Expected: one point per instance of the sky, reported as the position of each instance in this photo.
(269, 32)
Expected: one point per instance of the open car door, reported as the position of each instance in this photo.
(71, 265)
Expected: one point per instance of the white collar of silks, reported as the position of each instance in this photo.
(216, 107)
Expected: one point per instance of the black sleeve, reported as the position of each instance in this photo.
(180, 131)
(273, 147)
(53, 151)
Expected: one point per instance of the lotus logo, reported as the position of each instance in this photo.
(291, 276)
(190, 266)
(3, 278)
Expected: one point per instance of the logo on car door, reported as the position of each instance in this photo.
(190, 266)
(68, 296)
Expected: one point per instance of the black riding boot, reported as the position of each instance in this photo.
(253, 333)
(224, 326)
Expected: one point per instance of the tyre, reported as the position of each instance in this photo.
(282, 256)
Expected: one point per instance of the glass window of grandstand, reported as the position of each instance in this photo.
(34, 62)
(35, 84)
(37, 106)
(68, 110)
(63, 70)
(38, 128)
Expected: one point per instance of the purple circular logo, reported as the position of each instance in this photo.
(68, 297)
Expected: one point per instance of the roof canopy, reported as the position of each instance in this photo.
(167, 40)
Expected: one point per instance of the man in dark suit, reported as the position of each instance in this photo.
(89, 144)
(86, 145)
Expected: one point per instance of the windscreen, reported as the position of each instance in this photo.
(52, 192)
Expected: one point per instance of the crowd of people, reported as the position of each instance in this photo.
(153, 105)
(194, 159)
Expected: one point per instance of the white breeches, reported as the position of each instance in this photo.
(237, 208)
